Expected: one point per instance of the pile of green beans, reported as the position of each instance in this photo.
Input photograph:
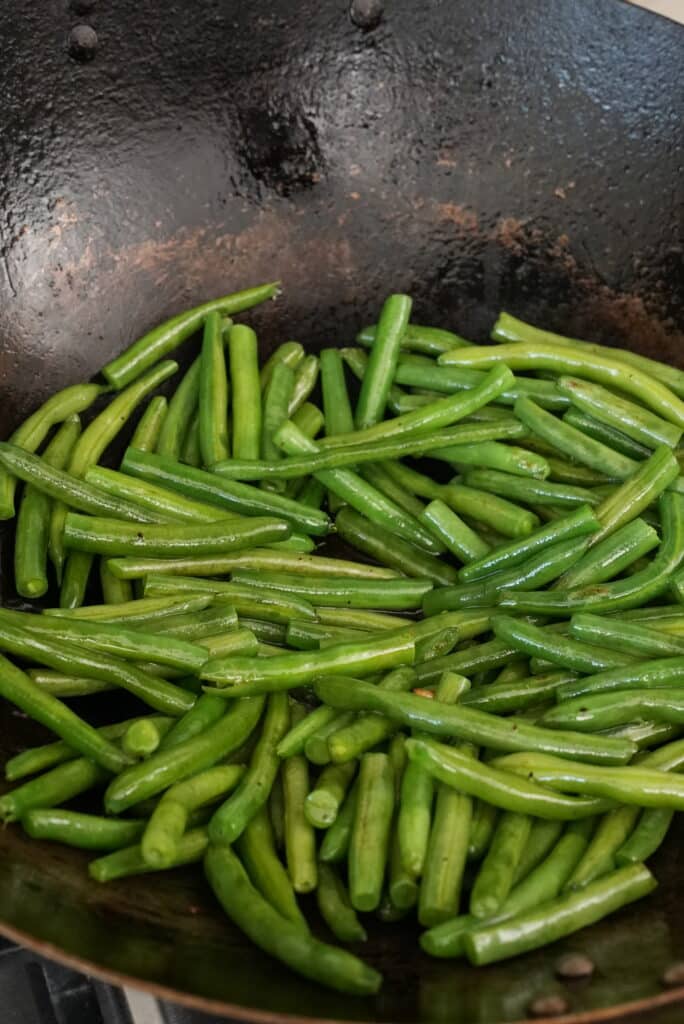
(403, 641)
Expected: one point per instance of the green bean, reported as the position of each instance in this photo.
(85, 831)
(290, 353)
(146, 434)
(361, 495)
(369, 844)
(402, 887)
(300, 840)
(561, 650)
(306, 376)
(205, 624)
(191, 453)
(482, 825)
(390, 550)
(468, 724)
(425, 373)
(635, 421)
(20, 690)
(544, 835)
(49, 755)
(637, 589)
(496, 876)
(503, 698)
(230, 495)
(87, 451)
(308, 636)
(276, 399)
(497, 513)
(130, 861)
(498, 787)
(438, 414)
(396, 751)
(450, 529)
(55, 787)
(649, 833)
(560, 917)
(632, 637)
(513, 673)
(316, 748)
(380, 476)
(232, 817)
(563, 471)
(472, 659)
(337, 838)
(323, 803)
(543, 883)
(437, 444)
(309, 419)
(445, 858)
(256, 847)
(537, 354)
(430, 340)
(367, 730)
(598, 711)
(141, 738)
(508, 328)
(168, 822)
(62, 487)
(102, 636)
(399, 594)
(161, 504)
(656, 674)
(204, 713)
(382, 361)
(493, 455)
(245, 675)
(611, 556)
(312, 494)
(628, 784)
(166, 337)
(147, 612)
(360, 618)
(114, 590)
(543, 567)
(607, 435)
(246, 393)
(71, 657)
(599, 857)
(637, 492)
(281, 938)
(181, 409)
(32, 432)
(335, 906)
(213, 394)
(33, 522)
(247, 600)
(112, 537)
(251, 559)
(572, 442)
(176, 763)
(530, 491)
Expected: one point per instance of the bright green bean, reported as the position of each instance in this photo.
(246, 392)
(369, 844)
(611, 556)
(496, 876)
(382, 361)
(213, 393)
(181, 409)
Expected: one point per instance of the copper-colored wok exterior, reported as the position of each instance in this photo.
(483, 155)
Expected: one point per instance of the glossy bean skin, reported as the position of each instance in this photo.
(233, 816)
(500, 788)
(176, 763)
(32, 432)
(276, 397)
(282, 938)
(213, 393)
(166, 337)
(335, 906)
(146, 434)
(228, 495)
(416, 338)
(467, 724)
(449, 528)
(246, 393)
(564, 360)
(497, 872)
(33, 522)
(130, 861)
(256, 847)
(290, 353)
(399, 594)
(561, 650)
(382, 361)
(608, 558)
(635, 590)
(181, 409)
(641, 489)
(369, 845)
(55, 787)
(84, 831)
(239, 676)
(560, 917)
(631, 419)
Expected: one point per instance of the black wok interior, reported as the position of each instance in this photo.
(523, 156)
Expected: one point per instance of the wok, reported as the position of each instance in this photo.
(479, 156)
